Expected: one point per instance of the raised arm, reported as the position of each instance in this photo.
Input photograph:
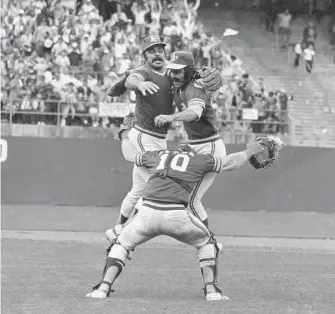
(197, 5)
(160, 7)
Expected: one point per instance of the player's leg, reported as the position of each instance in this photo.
(195, 205)
(140, 176)
(185, 227)
(139, 229)
(142, 142)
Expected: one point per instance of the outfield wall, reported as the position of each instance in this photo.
(92, 172)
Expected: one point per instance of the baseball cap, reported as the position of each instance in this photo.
(180, 59)
(151, 41)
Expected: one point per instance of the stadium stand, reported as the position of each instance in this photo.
(312, 111)
(59, 73)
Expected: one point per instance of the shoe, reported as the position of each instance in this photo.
(96, 294)
(216, 296)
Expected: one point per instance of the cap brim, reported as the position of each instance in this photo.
(154, 44)
(175, 66)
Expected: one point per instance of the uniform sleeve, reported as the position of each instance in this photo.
(147, 159)
(197, 98)
(230, 162)
(208, 162)
(140, 73)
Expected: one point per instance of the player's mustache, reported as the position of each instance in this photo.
(157, 59)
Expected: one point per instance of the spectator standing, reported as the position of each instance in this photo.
(284, 29)
(297, 53)
(140, 10)
(309, 57)
(320, 8)
(118, 18)
(74, 56)
(62, 60)
(156, 10)
(310, 34)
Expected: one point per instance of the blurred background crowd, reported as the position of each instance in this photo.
(58, 60)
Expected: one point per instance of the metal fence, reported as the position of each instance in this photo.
(36, 123)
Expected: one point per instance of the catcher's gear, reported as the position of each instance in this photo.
(128, 123)
(209, 78)
(272, 146)
(119, 88)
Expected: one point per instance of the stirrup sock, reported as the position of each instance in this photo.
(110, 261)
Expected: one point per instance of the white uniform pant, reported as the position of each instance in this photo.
(149, 223)
(216, 149)
(143, 142)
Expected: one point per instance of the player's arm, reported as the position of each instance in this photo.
(236, 160)
(195, 106)
(137, 82)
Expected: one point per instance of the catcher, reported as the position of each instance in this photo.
(163, 212)
(154, 97)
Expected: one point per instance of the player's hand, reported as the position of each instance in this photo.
(163, 119)
(255, 148)
(147, 87)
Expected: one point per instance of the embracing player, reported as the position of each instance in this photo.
(199, 118)
(154, 97)
(174, 174)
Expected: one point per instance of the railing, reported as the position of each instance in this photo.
(87, 125)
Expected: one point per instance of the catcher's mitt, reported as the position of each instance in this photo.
(128, 123)
(272, 146)
(118, 88)
(209, 78)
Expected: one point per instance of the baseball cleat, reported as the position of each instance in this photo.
(96, 294)
(216, 296)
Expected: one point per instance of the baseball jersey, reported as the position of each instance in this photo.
(152, 105)
(175, 174)
(206, 125)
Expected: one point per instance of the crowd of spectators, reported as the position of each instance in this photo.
(56, 59)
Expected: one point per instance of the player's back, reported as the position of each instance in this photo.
(151, 105)
(174, 175)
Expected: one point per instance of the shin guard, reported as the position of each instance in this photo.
(115, 262)
(208, 260)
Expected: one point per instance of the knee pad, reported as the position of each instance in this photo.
(208, 255)
(119, 252)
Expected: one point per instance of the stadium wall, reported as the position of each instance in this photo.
(85, 172)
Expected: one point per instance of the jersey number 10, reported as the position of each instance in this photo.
(178, 162)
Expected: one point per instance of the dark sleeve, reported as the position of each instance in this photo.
(207, 163)
(196, 95)
(142, 71)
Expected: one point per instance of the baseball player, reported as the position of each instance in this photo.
(174, 174)
(199, 119)
(154, 97)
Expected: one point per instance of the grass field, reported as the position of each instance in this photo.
(53, 276)
(50, 277)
